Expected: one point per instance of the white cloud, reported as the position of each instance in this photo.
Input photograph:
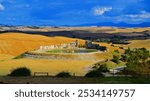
(142, 15)
(101, 10)
(1, 7)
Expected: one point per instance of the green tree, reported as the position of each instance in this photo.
(21, 71)
(97, 71)
(94, 73)
(103, 68)
(137, 61)
(63, 74)
(116, 58)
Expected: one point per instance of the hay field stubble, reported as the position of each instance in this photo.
(13, 44)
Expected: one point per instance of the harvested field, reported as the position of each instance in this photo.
(18, 43)
(79, 67)
(139, 44)
(14, 44)
(88, 29)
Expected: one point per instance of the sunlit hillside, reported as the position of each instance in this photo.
(140, 44)
(129, 30)
(13, 44)
(18, 43)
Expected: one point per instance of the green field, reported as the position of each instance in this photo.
(72, 50)
(73, 80)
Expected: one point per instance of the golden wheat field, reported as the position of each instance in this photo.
(13, 44)
(139, 44)
(51, 66)
(101, 29)
(17, 43)
(129, 30)
(90, 29)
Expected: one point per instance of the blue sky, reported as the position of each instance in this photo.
(73, 12)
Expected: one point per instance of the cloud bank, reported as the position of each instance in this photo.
(101, 10)
(1, 7)
(142, 15)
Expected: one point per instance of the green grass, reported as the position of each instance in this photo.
(124, 80)
(55, 51)
(19, 56)
(74, 80)
(111, 64)
(90, 50)
(72, 50)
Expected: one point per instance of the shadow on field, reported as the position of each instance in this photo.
(87, 35)
(72, 80)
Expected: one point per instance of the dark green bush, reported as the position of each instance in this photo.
(103, 68)
(63, 74)
(116, 58)
(20, 56)
(137, 61)
(21, 71)
(94, 73)
(116, 51)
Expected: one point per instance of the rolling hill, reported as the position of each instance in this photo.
(13, 44)
(18, 43)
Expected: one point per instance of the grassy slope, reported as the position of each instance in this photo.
(13, 44)
(97, 29)
(128, 30)
(52, 66)
(74, 80)
(17, 43)
(140, 44)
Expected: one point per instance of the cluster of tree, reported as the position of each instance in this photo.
(112, 40)
(97, 71)
(24, 71)
(102, 40)
(116, 57)
(21, 71)
(137, 61)
(119, 41)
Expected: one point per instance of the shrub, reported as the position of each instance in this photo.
(121, 47)
(63, 74)
(97, 71)
(148, 63)
(116, 51)
(94, 73)
(137, 61)
(19, 56)
(21, 71)
(103, 68)
(116, 58)
(112, 45)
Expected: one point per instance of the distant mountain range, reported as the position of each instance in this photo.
(3, 25)
(107, 24)
(121, 24)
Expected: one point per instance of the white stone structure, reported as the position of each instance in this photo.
(59, 46)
